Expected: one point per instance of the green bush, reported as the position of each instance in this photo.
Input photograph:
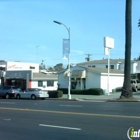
(93, 91)
(55, 94)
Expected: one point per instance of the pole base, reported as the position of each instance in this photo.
(69, 96)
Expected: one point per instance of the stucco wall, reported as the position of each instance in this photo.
(92, 80)
(34, 84)
(22, 66)
(114, 81)
(62, 80)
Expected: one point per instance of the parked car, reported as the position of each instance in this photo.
(8, 91)
(32, 93)
(135, 83)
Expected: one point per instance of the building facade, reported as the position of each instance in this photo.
(27, 75)
(89, 77)
(117, 64)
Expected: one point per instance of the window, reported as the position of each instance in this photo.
(50, 83)
(32, 67)
(40, 83)
(112, 66)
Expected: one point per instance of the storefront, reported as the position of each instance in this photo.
(21, 79)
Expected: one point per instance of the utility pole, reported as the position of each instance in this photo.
(88, 57)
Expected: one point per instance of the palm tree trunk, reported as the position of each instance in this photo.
(127, 90)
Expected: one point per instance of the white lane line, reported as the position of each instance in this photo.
(7, 102)
(62, 127)
(7, 119)
(71, 105)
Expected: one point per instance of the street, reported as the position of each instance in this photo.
(66, 120)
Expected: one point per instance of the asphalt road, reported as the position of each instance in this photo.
(66, 120)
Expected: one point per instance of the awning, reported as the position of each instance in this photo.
(78, 74)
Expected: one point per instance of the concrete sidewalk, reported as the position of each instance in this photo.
(103, 98)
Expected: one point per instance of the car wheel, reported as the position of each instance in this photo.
(136, 89)
(33, 97)
(42, 98)
(18, 96)
(7, 96)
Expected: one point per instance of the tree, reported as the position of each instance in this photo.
(139, 23)
(42, 66)
(127, 90)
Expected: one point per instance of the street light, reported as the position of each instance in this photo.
(69, 82)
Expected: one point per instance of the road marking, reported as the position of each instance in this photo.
(71, 113)
(7, 119)
(71, 105)
(7, 102)
(62, 127)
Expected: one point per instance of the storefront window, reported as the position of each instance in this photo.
(40, 83)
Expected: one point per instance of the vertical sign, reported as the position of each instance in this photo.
(66, 48)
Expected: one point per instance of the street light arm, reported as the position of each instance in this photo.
(68, 29)
(57, 22)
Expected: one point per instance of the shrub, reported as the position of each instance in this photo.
(93, 91)
(55, 94)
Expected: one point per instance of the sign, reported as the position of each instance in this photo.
(108, 42)
(18, 74)
(131, 133)
(66, 48)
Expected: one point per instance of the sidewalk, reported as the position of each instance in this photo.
(103, 98)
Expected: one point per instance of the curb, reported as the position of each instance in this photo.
(61, 99)
(124, 100)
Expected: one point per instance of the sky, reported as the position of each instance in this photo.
(28, 33)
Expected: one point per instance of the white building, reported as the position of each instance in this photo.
(117, 64)
(27, 75)
(11, 66)
(91, 77)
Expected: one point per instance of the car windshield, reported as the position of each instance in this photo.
(17, 88)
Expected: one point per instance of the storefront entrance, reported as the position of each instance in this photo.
(21, 83)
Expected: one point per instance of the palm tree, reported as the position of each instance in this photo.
(126, 90)
(139, 23)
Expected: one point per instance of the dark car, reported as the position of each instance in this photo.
(8, 91)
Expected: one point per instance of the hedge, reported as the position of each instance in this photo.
(55, 94)
(91, 91)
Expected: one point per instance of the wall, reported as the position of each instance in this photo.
(92, 80)
(114, 81)
(116, 65)
(62, 80)
(138, 67)
(22, 66)
(34, 84)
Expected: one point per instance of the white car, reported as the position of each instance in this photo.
(32, 93)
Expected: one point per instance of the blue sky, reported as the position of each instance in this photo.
(28, 33)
